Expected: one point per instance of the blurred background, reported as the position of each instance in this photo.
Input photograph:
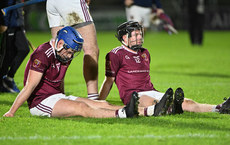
(108, 14)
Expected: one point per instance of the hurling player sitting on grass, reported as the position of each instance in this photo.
(129, 65)
(44, 83)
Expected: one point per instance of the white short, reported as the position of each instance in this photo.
(45, 108)
(67, 12)
(153, 94)
(139, 14)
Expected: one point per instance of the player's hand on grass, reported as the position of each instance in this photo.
(8, 114)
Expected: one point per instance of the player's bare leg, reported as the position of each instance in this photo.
(96, 104)
(90, 62)
(54, 31)
(146, 101)
(192, 106)
(99, 104)
(67, 108)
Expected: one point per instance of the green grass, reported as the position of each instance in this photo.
(203, 73)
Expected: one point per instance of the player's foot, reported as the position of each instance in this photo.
(131, 108)
(177, 102)
(162, 107)
(225, 108)
(9, 85)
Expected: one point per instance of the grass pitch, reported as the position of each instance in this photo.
(203, 73)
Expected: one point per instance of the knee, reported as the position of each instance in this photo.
(81, 109)
(145, 101)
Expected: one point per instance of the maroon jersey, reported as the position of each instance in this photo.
(43, 60)
(130, 69)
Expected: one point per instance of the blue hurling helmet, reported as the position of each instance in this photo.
(72, 39)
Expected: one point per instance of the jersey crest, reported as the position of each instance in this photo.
(36, 63)
(144, 56)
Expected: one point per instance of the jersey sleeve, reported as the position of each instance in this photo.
(148, 55)
(39, 62)
(112, 65)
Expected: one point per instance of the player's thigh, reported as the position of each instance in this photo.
(66, 108)
(88, 33)
(53, 15)
(68, 12)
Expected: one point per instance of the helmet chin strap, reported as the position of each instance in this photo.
(55, 46)
(63, 60)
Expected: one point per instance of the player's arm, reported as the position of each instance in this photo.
(159, 9)
(106, 87)
(33, 80)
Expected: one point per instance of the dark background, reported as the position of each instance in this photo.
(108, 14)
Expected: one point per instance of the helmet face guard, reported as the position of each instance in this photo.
(72, 40)
(62, 57)
(126, 29)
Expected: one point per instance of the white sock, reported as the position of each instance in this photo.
(216, 108)
(122, 113)
(150, 110)
(93, 96)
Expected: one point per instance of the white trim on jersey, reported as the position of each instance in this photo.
(134, 52)
(115, 50)
(49, 52)
(51, 44)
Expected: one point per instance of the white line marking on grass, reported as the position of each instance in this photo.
(91, 137)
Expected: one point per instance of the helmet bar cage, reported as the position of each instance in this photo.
(126, 29)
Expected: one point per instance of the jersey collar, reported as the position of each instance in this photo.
(129, 50)
(51, 44)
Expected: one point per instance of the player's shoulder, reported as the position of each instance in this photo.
(144, 50)
(115, 53)
(45, 50)
(117, 50)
